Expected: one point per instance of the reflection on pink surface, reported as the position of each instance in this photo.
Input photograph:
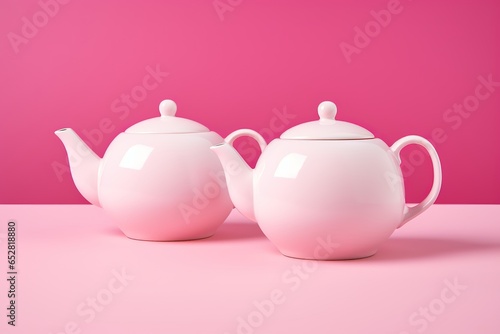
(78, 272)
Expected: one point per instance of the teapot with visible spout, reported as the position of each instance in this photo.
(158, 179)
(325, 189)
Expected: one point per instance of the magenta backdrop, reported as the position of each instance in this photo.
(422, 67)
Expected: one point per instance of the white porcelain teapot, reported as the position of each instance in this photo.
(158, 180)
(326, 189)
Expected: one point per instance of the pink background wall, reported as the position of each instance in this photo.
(244, 66)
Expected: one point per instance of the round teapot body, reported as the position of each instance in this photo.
(164, 187)
(328, 199)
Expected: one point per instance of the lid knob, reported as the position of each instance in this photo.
(327, 110)
(168, 108)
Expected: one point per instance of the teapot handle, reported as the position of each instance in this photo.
(246, 133)
(412, 212)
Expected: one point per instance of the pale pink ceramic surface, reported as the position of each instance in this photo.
(264, 66)
(325, 178)
(70, 254)
(158, 180)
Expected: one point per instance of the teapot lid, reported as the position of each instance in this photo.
(167, 122)
(327, 127)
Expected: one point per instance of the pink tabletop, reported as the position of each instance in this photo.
(77, 273)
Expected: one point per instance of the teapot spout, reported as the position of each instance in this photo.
(84, 164)
(239, 178)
